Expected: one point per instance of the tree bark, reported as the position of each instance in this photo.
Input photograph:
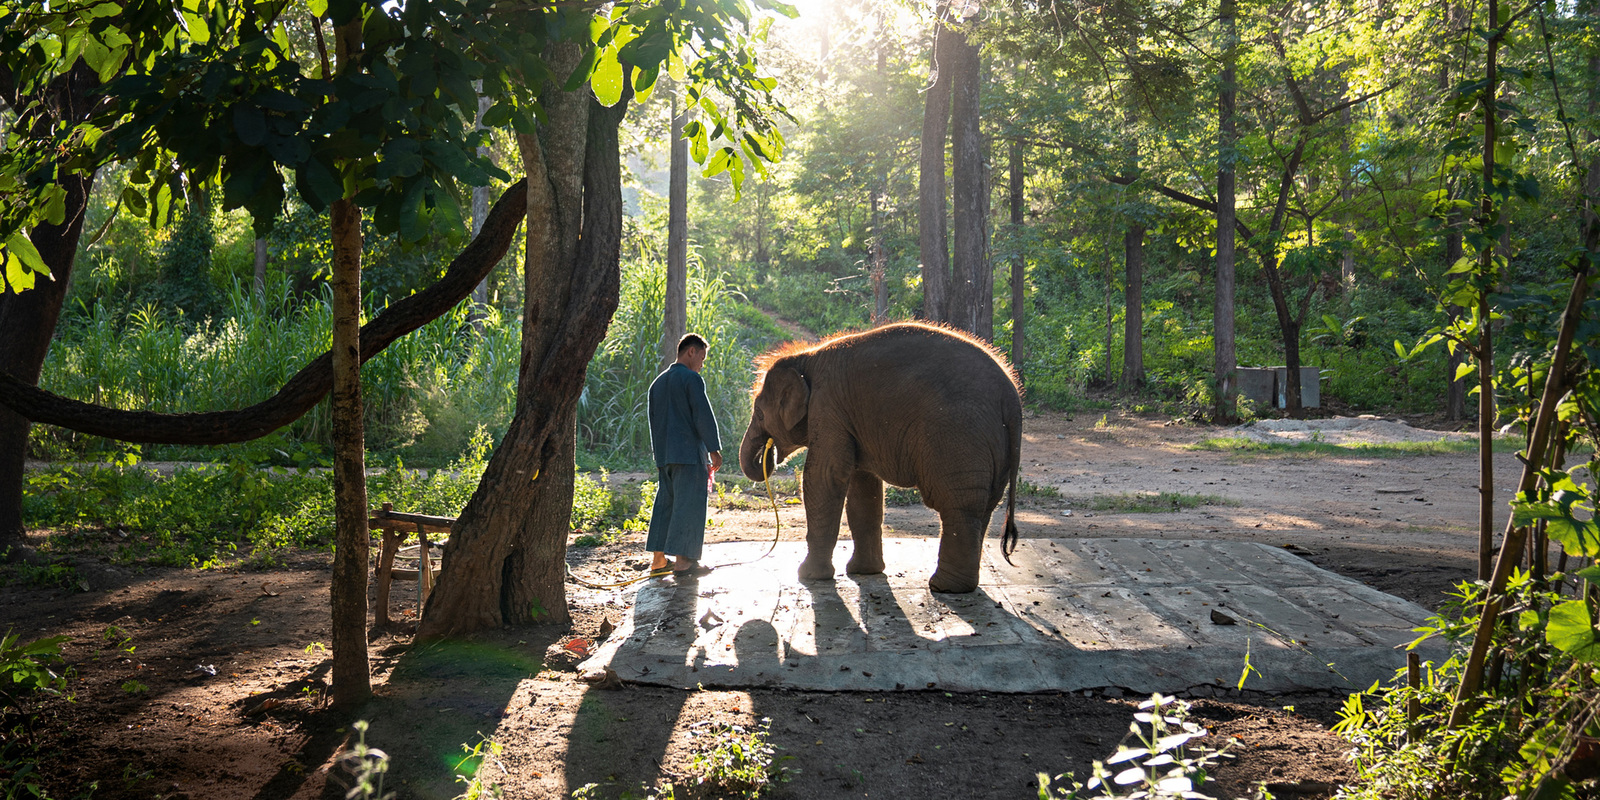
(506, 561)
(967, 239)
(1019, 338)
(29, 322)
(675, 313)
(261, 266)
(1486, 404)
(1133, 307)
(352, 683)
(1223, 356)
(932, 233)
(480, 199)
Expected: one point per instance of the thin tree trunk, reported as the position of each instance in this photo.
(1133, 307)
(675, 313)
(932, 233)
(1455, 404)
(1223, 356)
(1110, 321)
(966, 145)
(1347, 261)
(352, 683)
(261, 266)
(480, 198)
(1486, 405)
(1019, 265)
(880, 259)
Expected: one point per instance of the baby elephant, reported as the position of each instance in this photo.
(912, 404)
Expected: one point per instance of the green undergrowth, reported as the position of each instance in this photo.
(1241, 445)
(239, 514)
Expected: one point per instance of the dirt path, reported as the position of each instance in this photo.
(147, 723)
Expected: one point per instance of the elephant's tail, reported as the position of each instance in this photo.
(1008, 539)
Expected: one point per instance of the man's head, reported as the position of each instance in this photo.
(692, 351)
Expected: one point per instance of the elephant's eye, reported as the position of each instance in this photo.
(758, 415)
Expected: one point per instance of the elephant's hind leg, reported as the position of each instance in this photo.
(960, 551)
(863, 509)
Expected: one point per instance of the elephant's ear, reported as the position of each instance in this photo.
(792, 393)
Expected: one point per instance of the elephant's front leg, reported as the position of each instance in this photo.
(863, 509)
(824, 495)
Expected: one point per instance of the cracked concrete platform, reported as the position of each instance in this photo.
(1072, 614)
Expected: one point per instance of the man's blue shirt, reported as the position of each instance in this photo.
(682, 428)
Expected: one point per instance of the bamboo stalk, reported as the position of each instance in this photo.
(1512, 544)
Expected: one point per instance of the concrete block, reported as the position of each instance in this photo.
(1259, 384)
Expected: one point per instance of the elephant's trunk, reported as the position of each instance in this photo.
(756, 460)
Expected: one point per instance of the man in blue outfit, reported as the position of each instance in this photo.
(683, 434)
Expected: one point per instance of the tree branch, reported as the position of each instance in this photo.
(308, 386)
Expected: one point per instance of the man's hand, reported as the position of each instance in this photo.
(716, 461)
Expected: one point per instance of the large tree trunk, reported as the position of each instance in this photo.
(29, 321)
(1019, 265)
(675, 313)
(932, 239)
(352, 683)
(1133, 307)
(966, 175)
(507, 557)
(1223, 366)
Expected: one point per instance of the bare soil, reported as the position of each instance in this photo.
(149, 719)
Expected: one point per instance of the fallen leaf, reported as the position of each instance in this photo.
(265, 592)
(1219, 618)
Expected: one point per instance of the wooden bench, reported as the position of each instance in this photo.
(396, 526)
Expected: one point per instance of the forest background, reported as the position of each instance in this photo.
(1100, 142)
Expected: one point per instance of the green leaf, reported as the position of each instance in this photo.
(20, 279)
(250, 123)
(607, 79)
(21, 247)
(1572, 632)
(1464, 369)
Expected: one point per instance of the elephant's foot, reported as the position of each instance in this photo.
(813, 569)
(862, 564)
(944, 580)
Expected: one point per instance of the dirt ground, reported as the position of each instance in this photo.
(149, 719)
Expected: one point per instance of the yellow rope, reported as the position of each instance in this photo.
(777, 533)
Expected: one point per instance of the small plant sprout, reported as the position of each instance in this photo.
(1163, 765)
(367, 767)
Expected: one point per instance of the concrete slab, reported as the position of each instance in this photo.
(1135, 614)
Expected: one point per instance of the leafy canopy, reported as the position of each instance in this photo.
(243, 96)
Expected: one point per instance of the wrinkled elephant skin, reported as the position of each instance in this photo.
(910, 404)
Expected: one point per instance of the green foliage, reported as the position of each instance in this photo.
(736, 760)
(25, 668)
(1166, 766)
(601, 514)
(476, 782)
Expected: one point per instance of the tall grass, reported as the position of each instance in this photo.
(612, 416)
(425, 394)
